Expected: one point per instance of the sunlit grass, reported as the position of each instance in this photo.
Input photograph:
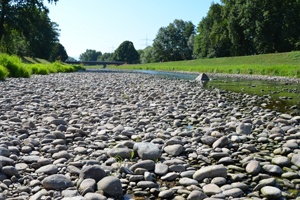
(279, 64)
(12, 66)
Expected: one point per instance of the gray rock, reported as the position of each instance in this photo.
(234, 192)
(56, 182)
(147, 150)
(47, 169)
(61, 154)
(166, 194)
(10, 171)
(221, 142)
(281, 161)
(265, 182)
(161, 169)
(145, 164)
(196, 195)
(209, 140)
(94, 196)
(188, 174)
(169, 176)
(244, 128)
(6, 161)
(120, 152)
(187, 181)
(211, 189)
(210, 172)
(93, 171)
(219, 181)
(202, 77)
(87, 183)
(174, 150)
(4, 152)
(111, 186)
(296, 159)
(273, 169)
(146, 184)
(253, 167)
(271, 192)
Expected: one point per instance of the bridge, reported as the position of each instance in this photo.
(90, 63)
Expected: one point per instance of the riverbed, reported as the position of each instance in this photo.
(101, 134)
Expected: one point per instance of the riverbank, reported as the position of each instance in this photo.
(277, 64)
(98, 135)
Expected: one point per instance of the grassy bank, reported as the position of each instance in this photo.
(12, 66)
(279, 64)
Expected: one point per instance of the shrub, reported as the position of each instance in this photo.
(60, 67)
(3, 72)
(14, 65)
(38, 69)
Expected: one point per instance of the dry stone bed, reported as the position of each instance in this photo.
(118, 135)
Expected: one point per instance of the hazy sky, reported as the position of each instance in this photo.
(103, 25)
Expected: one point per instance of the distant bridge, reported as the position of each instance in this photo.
(90, 63)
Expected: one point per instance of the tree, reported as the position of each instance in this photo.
(172, 42)
(106, 57)
(212, 39)
(262, 26)
(58, 53)
(9, 12)
(25, 28)
(148, 55)
(38, 30)
(90, 55)
(127, 53)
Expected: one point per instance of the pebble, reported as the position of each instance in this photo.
(210, 172)
(271, 192)
(56, 182)
(111, 186)
(106, 135)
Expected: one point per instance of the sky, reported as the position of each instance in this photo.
(102, 25)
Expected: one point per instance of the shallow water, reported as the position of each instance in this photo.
(280, 96)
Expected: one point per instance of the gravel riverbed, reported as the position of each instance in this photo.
(93, 135)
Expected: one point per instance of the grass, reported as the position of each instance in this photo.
(14, 66)
(277, 64)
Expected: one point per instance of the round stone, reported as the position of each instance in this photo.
(271, 192)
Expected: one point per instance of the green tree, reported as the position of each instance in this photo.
(172, 42)
(58, 53)
(90, 55)
(25, 28)
(106, 57)
(212, 39)
(262, 26)
(148, 55)
(127, 53)
(38, 30)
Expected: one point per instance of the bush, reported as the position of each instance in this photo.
(60, 67)
(38, 69)
(14, 65)
(3, 72)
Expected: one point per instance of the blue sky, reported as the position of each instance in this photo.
(103, 25)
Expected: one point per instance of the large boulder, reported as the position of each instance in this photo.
(202, 77)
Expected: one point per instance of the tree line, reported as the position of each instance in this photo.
(26, 30)
(231, 28)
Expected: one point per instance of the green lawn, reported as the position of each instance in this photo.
(277, 64)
